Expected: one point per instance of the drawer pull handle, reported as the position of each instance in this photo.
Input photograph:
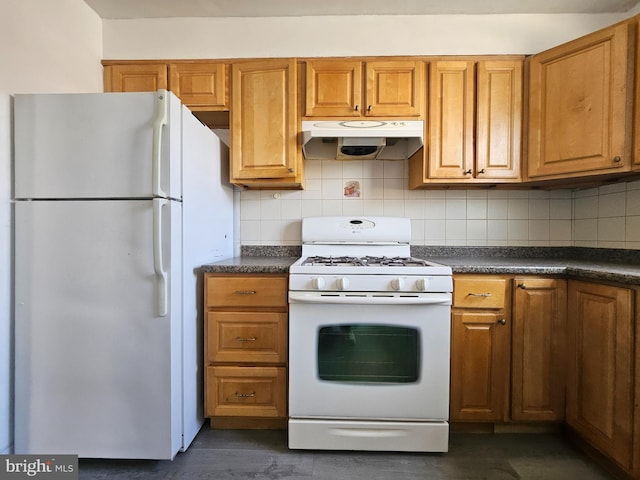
(245, 292)
(246, 339)
(479, 294)
(245, 395)
(522, 286)
(502, 321)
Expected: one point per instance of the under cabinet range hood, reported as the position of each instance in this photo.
(361, 139)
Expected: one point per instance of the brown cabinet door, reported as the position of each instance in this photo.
(246, 337)
(334, 88)
(580, 106)
(200, 86)
(246, 291)
(538, 349)
(479, 365)
(600, 374)
(395, 88)
(135, 78)
(246, 391)
(499, 120)
(263, 120)
(451, 119)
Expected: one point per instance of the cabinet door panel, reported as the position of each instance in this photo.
(263, 120)
(395, 88)
(600, 368)
(579, 106)
(479, 362)
(499, 120)
(246, 391)
(538, 349)
(451, 119)
(334, 88)
(135, 78)
(247, 337)
(252, 291)
(200, 85)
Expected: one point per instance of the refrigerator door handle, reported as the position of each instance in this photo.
(162, 287)
(160, 121)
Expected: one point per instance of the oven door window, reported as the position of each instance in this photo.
(362, 353)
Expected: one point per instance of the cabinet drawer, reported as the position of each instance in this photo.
(247, 337)
(246, 391)
(479, 292)
(246, 291)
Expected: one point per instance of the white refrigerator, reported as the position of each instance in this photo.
(119, 198)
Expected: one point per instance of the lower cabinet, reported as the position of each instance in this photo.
(538, 349)
(544, 349)
(245, 333)
(508, 349)
(480, 339)
(600, 377)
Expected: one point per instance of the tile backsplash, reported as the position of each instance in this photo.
(605, 217)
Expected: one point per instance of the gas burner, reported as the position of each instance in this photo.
(394, 261)
(333, 261)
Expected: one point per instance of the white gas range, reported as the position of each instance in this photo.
(369, 334)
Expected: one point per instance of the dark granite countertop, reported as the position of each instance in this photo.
(621, 266)
(251, 264)
(587, 269)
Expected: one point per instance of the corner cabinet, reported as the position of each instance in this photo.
(264, 124)
(600, 379)
(388, 88)
(245, 331)
(475, 124)
(580, 106)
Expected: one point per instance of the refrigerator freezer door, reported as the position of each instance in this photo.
(97, 371)
(98, 145)
(207, 216)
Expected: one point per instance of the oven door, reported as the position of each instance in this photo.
(365, 356)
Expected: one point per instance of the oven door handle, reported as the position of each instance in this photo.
(423, 299)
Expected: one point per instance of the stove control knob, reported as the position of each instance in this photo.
(422, 284)
(397, 283)
(317, 283)
(342, 283)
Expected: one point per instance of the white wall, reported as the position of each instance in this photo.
(45, 46)
(344, 36)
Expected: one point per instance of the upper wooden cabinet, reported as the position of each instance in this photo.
(146, 77)
(580, 105)
(200, 85)
(264, 150)
(475, 124)
(389, 88)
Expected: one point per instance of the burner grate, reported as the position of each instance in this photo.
(366, 261)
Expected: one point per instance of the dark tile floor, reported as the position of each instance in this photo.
(263, 454)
